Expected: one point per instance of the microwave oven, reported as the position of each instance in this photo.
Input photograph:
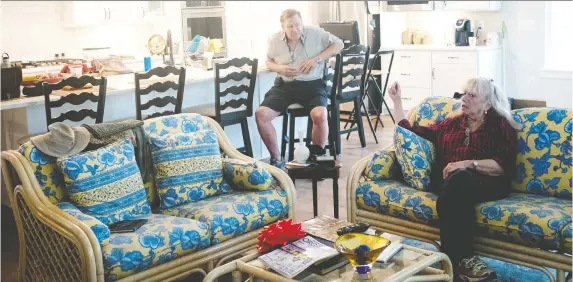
(205, 21)
(401, 6)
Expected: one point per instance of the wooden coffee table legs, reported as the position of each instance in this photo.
(334, 196)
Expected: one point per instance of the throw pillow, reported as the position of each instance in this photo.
(383, 165)
(416, 156)
(242, 175)
(106, 183)
(187, 167)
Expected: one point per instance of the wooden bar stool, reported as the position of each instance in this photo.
(235, 77)
(144, 85)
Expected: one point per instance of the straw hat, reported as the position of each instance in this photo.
(62, 140)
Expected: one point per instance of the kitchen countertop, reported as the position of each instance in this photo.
(421, 47)
(122, 84)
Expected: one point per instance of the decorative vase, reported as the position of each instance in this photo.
(301, 153)
(361, 250)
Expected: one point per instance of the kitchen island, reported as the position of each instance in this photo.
(26, 115)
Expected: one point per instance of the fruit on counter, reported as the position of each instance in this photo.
(66, 68)
(69, 88)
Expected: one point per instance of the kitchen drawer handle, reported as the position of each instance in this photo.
(404, 74)
(433, 73)
(403, 98)
(404, 56)
(453, 57)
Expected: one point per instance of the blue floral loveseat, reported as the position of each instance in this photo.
(532, 226)
(58, 242)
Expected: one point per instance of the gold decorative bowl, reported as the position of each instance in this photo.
(361, 250)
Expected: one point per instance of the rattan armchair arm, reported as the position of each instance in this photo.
(32, 208)
(283, 178)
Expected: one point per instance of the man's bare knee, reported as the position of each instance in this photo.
(264, 114)
(318, 115)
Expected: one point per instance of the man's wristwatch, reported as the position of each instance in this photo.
(317, 59)
(475, 164)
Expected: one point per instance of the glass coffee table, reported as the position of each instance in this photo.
(410, 264)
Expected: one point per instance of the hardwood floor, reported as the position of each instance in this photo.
(351, 153)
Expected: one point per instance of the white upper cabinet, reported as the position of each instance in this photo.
(469, 5)
(85, 13)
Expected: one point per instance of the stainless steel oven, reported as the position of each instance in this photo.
(400, 6)
(207, 20)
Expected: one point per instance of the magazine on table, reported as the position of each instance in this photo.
(294, 258)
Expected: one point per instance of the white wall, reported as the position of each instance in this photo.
(524, 45)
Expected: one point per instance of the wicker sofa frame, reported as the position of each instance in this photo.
(488, 247)
(55, 246)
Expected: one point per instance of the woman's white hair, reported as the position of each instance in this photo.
(485, 87)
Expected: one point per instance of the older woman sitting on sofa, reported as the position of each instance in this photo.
(476, 154)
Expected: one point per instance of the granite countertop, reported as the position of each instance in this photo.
(122, 84)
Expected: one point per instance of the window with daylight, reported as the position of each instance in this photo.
(558, 39)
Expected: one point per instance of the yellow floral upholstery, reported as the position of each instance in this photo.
(243, 175)
(416, 156)
(396, 198)
(526, 219)
(100, 230)
(383, 165)
(566, 237)
(106, 183)
(161, 239)
(544, 152)
(435, 109)
(231, 215)
(187, 167)
(186, 123)
(46, 170)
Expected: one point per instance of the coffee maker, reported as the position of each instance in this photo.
(463, 32)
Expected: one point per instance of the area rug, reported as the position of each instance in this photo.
(506, 272)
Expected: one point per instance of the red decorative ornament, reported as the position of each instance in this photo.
(279, 234)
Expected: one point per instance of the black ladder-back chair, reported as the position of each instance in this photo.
(297, 110)
(236, 116)
(240, 78)
(352, 64)
(161, 87)
(76, 99)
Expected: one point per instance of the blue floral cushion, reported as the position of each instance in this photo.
(237, 213)
(100, 230)
(243, 175)
(160, 240)
(544, 152)
(396, 198)
(526, 219)
(416, 156)
(187, 167)
(46, 171)
(173, 124)
(383, 165)
(106, 183)
(434, 110)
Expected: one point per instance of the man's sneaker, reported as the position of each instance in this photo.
(279, 164)
(316, 150)
(473, 269)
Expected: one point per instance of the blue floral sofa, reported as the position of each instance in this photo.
(531, 227)
(60, 243)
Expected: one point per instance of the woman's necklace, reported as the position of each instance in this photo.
(479, 123)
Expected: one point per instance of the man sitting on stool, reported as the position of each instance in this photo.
(298, 54)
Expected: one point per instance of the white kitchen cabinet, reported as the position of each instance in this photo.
(470, 5)
(425, 71)
(86, 13)
(450, 78)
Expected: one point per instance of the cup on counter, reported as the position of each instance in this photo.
(472, 40)
(76, 70)
(146, 63)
